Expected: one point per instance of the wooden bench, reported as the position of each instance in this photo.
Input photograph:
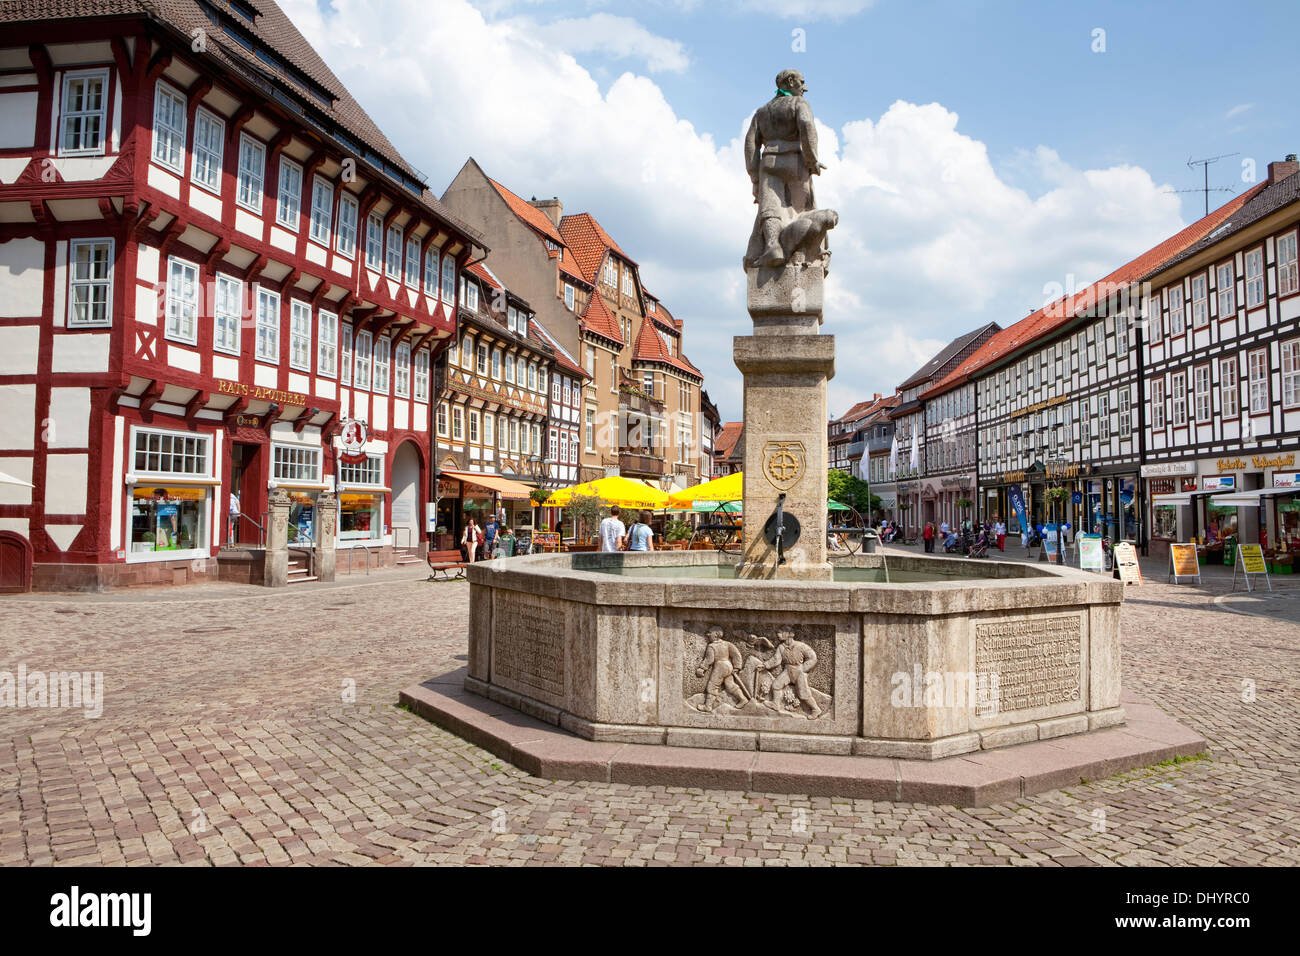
(444, 563)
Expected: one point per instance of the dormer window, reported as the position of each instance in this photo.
(568, 297)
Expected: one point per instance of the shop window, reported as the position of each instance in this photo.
(84, 104)
(252, 160)
(90, 282)
(170, 453)
(361, 512)
(295, 463)
(288, 203)
(369, 472)
(1165, 521)
(346, 240)
(168, 127)
(166, 518)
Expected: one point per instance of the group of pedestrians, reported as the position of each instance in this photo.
(493, 539)
(967, 538)
(615, 536)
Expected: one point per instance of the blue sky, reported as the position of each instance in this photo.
(979, 153)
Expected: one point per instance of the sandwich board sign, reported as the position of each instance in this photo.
(1126, 563)
(1091, 556)
(1183, 563)
(1250, 559)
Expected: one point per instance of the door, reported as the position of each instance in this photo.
(15, 563)
(407, 500)
(247, 479)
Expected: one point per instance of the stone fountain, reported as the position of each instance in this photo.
(650, 659)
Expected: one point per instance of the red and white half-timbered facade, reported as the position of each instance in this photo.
(210, 261)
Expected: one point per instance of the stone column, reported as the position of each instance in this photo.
(786, 364)
(327, 523)
(275, 573)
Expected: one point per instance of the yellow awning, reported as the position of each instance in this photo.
(504, 486)
(726, 488)
(614, 490)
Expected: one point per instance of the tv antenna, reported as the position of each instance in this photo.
(1207, 188)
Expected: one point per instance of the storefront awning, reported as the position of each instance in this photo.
(1248, 498)
(1183, 497)
(503, 486)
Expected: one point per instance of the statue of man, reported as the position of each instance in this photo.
(781, 156)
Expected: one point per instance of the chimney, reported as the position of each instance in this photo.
(1280, 171)
(553, 208)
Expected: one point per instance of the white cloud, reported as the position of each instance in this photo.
(612, 36)
(1238, 110)
(807, 10)
(931, 242)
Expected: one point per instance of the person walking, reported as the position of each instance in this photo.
(233, 535)
(471, 539)
(641, 537)
(491, 528)
(928, 535)
(612, 532)
(1000, 529)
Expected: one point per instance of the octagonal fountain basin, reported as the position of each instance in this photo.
(950, 656)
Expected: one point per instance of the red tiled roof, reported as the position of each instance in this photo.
(726, 441)
(589, 243)
(598, 319)
(562, 358)
(486, 274)
(650, 347)
(529, 213)
(1056, 314)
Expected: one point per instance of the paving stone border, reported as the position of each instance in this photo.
(970, 780)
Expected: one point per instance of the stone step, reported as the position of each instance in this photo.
(301, 579)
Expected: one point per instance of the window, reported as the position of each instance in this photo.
(1291, 372)
(503, 433)
(252, 157)
(327, 331)
(209, 140)
(1254, 278)
(474, 420)
(555, 390)
(1179, 395)
(383, 351)
(430, 272)
(488, 419)
(541, 380)
(514, 435)
(591, 429)
(1158, 404)
(1201, 393)
(168, 127)
(402, 373)
(300, 335)
(227, 313)
(609, 275)
(393, 259)
(458, 422)
(482, 358)
(496, 364)
(1229, 400)
(467, 352)
(510, 368)
(268, 325)
(361, 363)
(523, 439)
(90, 282)
(537, 439)
(1288, 281)
(470, 296)
(442, 419)
(345, 356)
(628, 287)
(1176, 310)
(1125, 416)
(448, 279)
(413, 263)
(1226, 283)
(322, 210)
(170, 453)
(346, 240)
(1258, 366)
(295, 463)
(559, 446)
(1200, 302)
(453, 353)
(368, 472)
(573, 449)
(568, 393)
(568, 296)
(288, 203)
(422, 375)
(374, 242)
(182, 300)
(84, 107)
(532, 376)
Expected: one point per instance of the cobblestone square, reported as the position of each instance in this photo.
(245, 726)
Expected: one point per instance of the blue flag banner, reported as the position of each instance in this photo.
(1018, 504)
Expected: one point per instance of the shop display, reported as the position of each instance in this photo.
(167, 519)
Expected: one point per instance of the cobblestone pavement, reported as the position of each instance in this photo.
(242, 726)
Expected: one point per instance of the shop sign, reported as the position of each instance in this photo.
(1230, 464)
(248, 421)
(1250, 558)
(1287, 480)
(1039, 406)
(1126, 563)
(1091, 555)
(1013, 477)
(1219, 483)
(353, 438)
(1277, 461)
(1062, 470)
(260, 393)
(1077, 497)
(1161, 486)
(1189, 484)
(1169, 468)
(1183, 563)
(448, 488)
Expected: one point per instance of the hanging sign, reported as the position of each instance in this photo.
(353, 437)
(1126, 563)
(1091, 555)
(1250, 559)
(1183, 563)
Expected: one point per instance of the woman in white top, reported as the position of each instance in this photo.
(470, 539)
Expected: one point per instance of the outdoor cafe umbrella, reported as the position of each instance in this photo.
(11, 480)
(613, 490)
(726, 488)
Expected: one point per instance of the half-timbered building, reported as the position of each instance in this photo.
(211, 260)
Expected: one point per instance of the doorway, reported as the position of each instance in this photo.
(246, 480)
(405, 519)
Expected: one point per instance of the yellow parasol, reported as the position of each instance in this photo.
(726, 488)
(614, 490)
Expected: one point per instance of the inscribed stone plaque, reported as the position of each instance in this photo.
(528, 646)
(1038, 661)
